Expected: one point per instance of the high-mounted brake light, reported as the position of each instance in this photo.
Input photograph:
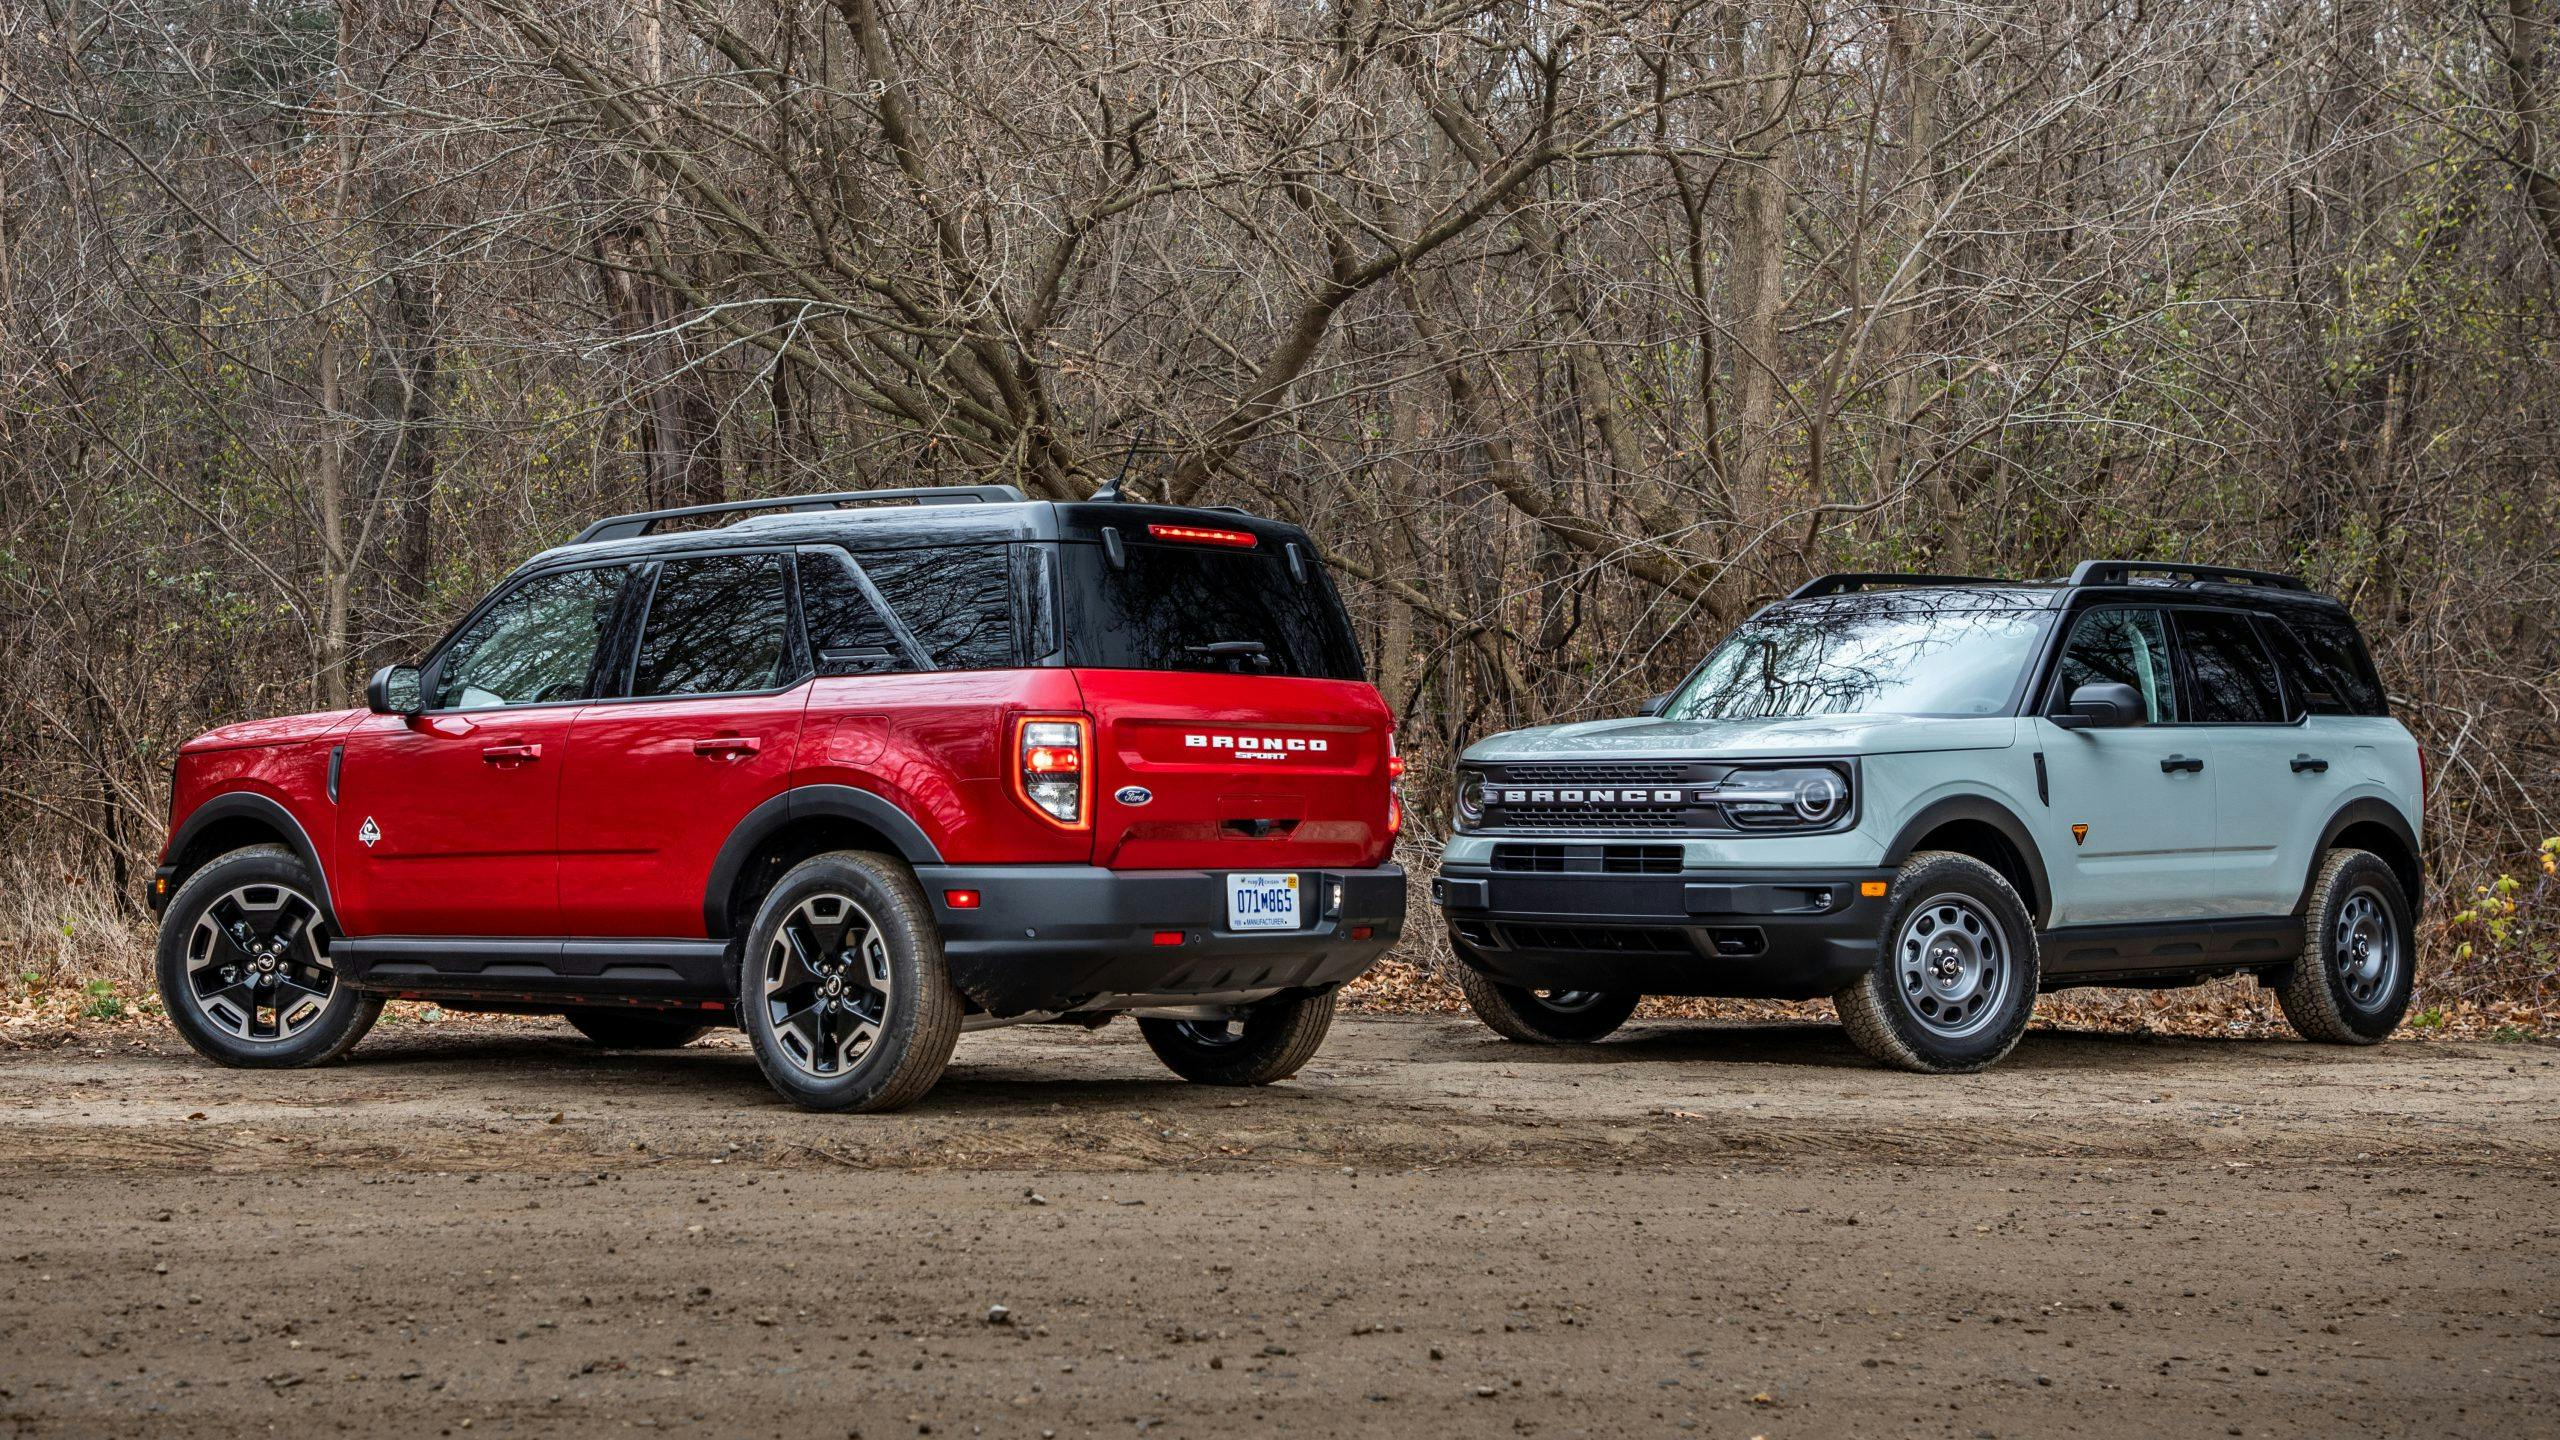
(1051, 775)
(1198, 535)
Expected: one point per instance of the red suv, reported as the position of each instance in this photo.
(855, 777)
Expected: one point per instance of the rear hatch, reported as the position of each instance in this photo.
(1233, 726)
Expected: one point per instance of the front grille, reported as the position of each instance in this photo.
(1599, 939)
(1587, 859)
(1602, 820)
(1542, 772)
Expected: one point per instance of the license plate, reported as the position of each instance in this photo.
(1262, 902)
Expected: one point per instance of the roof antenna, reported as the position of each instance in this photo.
(1110, 493)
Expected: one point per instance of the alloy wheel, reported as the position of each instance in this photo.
(258, 963)
(827, 984)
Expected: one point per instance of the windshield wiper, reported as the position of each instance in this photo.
(1239, 651)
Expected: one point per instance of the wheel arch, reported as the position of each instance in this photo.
(789, 828)
(1988, 831)
(237, 820)
(2375, 825)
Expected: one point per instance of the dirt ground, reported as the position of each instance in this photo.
(1746, 1231)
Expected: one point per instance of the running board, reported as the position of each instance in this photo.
(610, 967)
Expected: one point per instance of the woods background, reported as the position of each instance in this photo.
(1573, 330)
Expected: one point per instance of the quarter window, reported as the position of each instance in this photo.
(847, 633)
(957, 600)
(2230, 679)
(717, 625)
(535, 646)
(2326, 670)
(2126, 647)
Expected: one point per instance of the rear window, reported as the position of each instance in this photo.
(2326, 668)
(1187, 607)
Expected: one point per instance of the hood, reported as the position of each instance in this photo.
(1645, 738)
(282, 730)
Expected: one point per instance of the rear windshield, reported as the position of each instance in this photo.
(1193, 607)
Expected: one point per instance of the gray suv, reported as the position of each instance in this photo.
(1933, 797)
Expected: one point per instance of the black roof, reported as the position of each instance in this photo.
(2224, 583)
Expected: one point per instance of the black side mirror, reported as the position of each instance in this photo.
(393, 690)
(1655, 704)
(2102, 705)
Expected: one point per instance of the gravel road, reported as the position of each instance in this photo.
(494, 1227)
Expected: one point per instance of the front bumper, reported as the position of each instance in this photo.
(1784, 935)
(1059, 938)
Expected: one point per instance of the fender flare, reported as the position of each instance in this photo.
(2374, 809)
(250, 805)
(804, 802)
(1989, 812)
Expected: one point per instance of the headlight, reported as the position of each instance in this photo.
(1469, 811)
(1798, 797)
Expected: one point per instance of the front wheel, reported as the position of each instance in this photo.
(1956, 970)
(1268, 1042)
(243, 966)
(842, 989)
(2352, 984)
(634, 1029)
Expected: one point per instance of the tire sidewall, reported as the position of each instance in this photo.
(2366, 871)
(1516, 1013)
(342, 1021)
(1921, 882)
(915, 962)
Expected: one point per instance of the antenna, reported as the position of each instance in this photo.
(1111, 491)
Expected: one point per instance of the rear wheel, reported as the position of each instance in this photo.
(1267, 1042)
(634, 1029)
(1545, 1017)
(2358, 963)
(1956, 970)
(842, 991)
(243, 966)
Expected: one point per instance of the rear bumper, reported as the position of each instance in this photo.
(1789, 935)
(1057, 938)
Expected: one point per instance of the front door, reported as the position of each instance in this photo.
(447, 820)
(706, 729)
(2129, 834)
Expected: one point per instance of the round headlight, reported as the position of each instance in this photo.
(1819, 796)
(1471, 798)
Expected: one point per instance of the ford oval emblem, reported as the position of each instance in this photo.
(1133, 795)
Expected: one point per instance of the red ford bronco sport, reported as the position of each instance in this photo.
(855, 777)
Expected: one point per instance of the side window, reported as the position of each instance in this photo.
(847, 633)
(957, 600)
(716, 625)
(2127, 647)
(2326, 669)
(2230, 679)
(535, 646)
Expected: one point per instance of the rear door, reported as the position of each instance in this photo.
(1234, 729)
(2268, 814)
(705, 729)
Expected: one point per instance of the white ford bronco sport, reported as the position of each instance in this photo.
(1933, 797)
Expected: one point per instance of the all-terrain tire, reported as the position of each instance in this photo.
(242, 966)
(1573, 1017)
(1952, 917)
(1271, 1042)
(634, 1029)
(2359, 954)
(855, 898)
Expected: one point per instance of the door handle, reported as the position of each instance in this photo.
(2312, 763)
(719, 745)
(2189, 763)
(510, 754)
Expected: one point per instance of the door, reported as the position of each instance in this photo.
(2269, 809)
(447, 821)
(659, 775)
(2128, 835)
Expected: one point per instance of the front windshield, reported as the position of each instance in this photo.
(1905, 654)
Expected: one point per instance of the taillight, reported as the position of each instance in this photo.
(1395, 762)
(1202, 535)
(1395, 791)
(1050, 772)
(1395, 814)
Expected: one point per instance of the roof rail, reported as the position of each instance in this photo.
(2121, 572)
(641, 522)
(1855, 580)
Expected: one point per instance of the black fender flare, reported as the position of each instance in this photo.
(249, 805)
(1989, 812)
(2374, 810)
(804, 802)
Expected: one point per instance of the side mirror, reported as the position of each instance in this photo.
(393, 690)
(1655, 704)
(2102, 705)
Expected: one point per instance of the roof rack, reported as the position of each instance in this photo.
(641, 522)
(2121, 572)
(1852, 581)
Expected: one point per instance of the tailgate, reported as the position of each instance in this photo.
(1206, 771)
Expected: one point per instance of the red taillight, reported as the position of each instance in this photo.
(1050, 774)
(1168, 938)
(1395, 762)
(1201, 535)
(1395, 814)
(960, 899)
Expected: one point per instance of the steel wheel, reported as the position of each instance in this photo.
(2365, 950)
(826, 984)
(1952, 961)
(257, 963)
(1569, 1002)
